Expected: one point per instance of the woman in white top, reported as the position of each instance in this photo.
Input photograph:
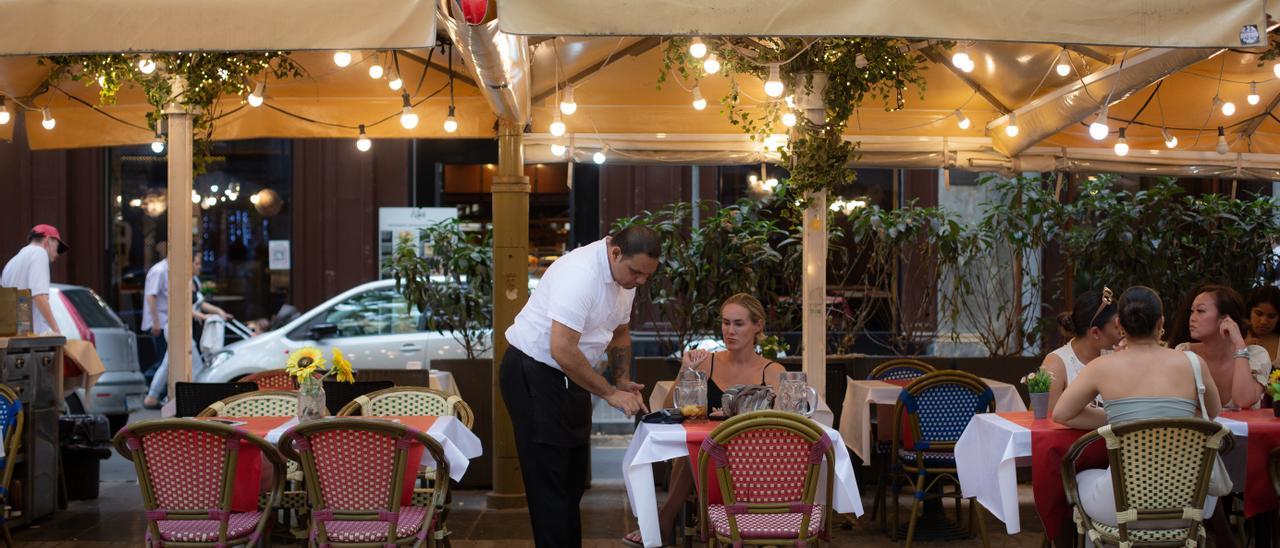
(1212, 330)
(1094, 327)
(1264, 313)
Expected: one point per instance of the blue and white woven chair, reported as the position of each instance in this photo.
(11, 422)
(935, 409)
(899, 369)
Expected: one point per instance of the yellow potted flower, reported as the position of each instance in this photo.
(1273, 390)
(308, 366)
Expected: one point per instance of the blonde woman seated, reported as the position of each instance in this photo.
(1094, 327)
(741, 327)
(1212, 328)
(1143, 381)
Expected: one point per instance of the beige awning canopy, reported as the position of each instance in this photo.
(1168, 23)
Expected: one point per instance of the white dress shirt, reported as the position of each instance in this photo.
(158, 286)
(578, 291)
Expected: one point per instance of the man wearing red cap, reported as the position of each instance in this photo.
(29, 269)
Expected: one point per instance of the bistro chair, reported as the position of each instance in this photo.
(11, 415)
(259, 403)
(935, 409)
(338, 394)
(410, 400)
(190, 398)
(355, 471)
(899, 369)
(272, 379)
(187, 471)
(769, 465)
(1160, 470)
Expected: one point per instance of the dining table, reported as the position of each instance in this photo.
(821, 415)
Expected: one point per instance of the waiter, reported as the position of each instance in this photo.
(29, 269)
(579, 312)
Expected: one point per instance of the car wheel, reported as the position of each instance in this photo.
(117, 422)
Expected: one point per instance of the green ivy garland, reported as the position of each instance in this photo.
(208, 76)
(817, 155)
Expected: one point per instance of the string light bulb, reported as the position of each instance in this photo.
(342, 58)
(4, 112)
(1253, 97)
(711, 65)
(1012, 128)
(395, 83)
(363, 144)
(1099, 129)
(962, 61)
(697, 49)
(1122, 145)
(962, 120)
(601, 155)
(48, 122)
(567, 105)
(773, 86)
(450, 122)
(698, 102)
(1228, 108)
(1275, 69)
(157, 145)
(789, 119)
(146, 65)
(1170, 140)
(408, 119)
(1064, 65)
(558, 149)
(557, 126)
(375, 71)
(255, 98)
(1222, 141)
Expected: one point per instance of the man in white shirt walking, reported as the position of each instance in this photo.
(155, 311)
(579, 312)
(29, 269)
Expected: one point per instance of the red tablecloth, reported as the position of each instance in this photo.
(1049, 443)
(694, 434)
(1264, 435)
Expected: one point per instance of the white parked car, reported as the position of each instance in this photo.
(82, 315)
(372, 324)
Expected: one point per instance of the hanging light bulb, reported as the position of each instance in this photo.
(408, 119)
(1099, 128)
(4, 112)
(600, 156)
(48, 122)
(342, 58)
(1170, 141)
(255, 98)
(375, 71)
(1122, 145)
(697, 49)
(773, 86)
(1275, 69)
(557, 126)
(146, 65)
(1253, 97)
(395, 83)
(363, 144)
(962, 61)
(1064, 63)
(157, 145)
(558, 149)
(711, 65)
(789, 119)
(450, 123)
(1228, 108)
(195, 197)
(962, 120)
(1012, 129)
(567, 105)
(698, 102)
(1222, 141)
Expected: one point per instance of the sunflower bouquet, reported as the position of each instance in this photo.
(305, 363)
(1273, 385)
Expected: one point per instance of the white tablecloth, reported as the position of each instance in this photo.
(855, 416)
(460, 445)
(660, 442)
(822, 416)
(991, 449)
(443, 381)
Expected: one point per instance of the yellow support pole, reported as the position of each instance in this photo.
(180, 252)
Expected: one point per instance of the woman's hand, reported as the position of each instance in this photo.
(1230, 331)
(692, 358)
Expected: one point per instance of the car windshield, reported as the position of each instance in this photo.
(375, 312)
(92, 309)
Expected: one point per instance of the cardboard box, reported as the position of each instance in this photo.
(15, 311)
(81, 358)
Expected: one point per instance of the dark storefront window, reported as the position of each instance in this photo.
(242, 203)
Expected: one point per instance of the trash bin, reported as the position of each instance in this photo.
(84, 440)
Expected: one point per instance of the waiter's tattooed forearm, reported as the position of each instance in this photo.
(619, 364)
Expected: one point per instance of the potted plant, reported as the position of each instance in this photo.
(1273, 390)
(1038, 383)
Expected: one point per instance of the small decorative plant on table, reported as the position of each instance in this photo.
(1273, 389)
(308, 366)
(1038, 383)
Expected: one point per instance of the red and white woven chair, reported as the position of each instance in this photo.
(768, 464)
(356, 471)
(187, 470)
(273, 379)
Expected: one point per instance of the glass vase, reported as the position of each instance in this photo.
(311, 404)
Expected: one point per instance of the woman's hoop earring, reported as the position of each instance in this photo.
(1161, 332)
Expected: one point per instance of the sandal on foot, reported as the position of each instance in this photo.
(633, 539)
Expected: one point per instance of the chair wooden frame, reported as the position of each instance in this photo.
(906, 363)
(215, 409)
(127, 442)
(290, 448)
(12, 444)
(757, 420)
(1218, 439)
(881, 464)
(918, 469)
(460, 408)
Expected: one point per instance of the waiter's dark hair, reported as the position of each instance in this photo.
(34, 237)
(638, 239)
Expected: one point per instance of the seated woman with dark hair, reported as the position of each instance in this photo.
(1264, 314)
(1093, 325)
(1211, 325)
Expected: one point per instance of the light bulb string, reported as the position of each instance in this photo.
(1216, 99)
(451, 77)
(581, 81)
(1084, 86)
(748, 54)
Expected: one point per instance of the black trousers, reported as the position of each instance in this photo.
(551, 419)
